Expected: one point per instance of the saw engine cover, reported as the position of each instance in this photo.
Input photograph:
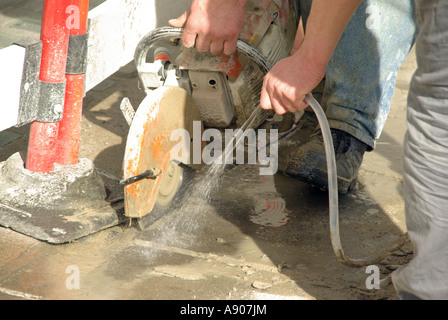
(149, 146)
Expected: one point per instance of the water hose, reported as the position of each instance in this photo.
(265, 65)
(333, 199)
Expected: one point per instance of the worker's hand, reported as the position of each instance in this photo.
(291, 79)
(285, 86)
(212, 25)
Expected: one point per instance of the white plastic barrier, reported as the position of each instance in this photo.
(116, 27)
(11, 68)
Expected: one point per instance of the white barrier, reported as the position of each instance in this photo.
(11, 68)
(116, 27)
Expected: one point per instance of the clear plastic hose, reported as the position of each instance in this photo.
(333, 198)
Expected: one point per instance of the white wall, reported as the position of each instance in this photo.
(116, 28)
(11, 69)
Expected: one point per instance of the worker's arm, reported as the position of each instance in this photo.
(212, 25)
(286, 85)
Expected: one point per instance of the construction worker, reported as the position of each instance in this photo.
(356, 96)
(426, 160)
(426, 143)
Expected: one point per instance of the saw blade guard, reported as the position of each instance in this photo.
(164, 121)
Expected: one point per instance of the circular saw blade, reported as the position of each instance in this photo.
(149, 146)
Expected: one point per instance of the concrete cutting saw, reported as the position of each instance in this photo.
(191, 91)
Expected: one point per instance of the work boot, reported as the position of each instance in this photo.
(288, 146)
(309, 162)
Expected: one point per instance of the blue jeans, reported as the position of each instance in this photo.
(425, 183)
(360, 78)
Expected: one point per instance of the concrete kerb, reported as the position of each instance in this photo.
(61, 206)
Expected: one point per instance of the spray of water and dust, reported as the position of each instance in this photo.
(181, 226)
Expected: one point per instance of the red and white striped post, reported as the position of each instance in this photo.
(69, 134)
(51, 143)
(55, 36)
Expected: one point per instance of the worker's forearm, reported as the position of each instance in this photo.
(212, 25)
(243, 2)
(210, 6)
(291, 79)
(326, 23)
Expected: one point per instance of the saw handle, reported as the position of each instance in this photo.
(154, 173)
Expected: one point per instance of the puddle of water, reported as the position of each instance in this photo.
(270, 211)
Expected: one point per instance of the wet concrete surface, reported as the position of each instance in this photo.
(261, 237)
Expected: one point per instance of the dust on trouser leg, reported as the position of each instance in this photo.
(425, 160)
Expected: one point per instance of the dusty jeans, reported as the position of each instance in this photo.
(426, 160)
(361, 75)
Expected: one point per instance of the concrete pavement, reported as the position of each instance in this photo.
(259, 237)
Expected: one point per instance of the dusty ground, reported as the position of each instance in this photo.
(260, 237)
